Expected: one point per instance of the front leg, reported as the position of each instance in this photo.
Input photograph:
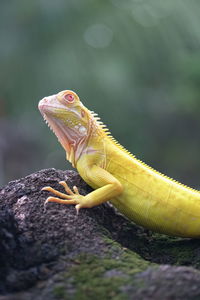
(108, 188)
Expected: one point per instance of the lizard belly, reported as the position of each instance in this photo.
(172, 217)
(156, 202)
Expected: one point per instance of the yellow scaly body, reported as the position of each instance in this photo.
(142, 194)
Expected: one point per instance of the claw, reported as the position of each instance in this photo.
(62, 201)
(57, 193)
(77, 209)
(76, 190)
(66, 187)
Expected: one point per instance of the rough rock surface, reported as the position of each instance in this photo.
(51, 253)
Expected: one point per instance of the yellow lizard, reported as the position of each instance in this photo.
(142, 194)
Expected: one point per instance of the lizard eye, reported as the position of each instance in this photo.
(69, 98)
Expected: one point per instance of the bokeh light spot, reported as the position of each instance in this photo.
(98, 36)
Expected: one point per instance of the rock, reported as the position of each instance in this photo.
(166, 282)
(51, 253)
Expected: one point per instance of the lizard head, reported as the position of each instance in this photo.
(69, 119)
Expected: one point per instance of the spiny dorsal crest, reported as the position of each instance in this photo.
(109, 135)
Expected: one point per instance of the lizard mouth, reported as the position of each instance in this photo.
(50, 103)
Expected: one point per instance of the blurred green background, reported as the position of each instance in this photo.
(135, 62)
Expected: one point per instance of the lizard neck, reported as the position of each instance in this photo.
(87, 143)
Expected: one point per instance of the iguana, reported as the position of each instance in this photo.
(139, 192)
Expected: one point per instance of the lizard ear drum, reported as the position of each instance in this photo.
(69, 98)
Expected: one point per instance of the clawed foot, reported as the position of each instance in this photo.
(72, 197)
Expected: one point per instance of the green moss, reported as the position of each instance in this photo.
(102, 278)
(174, 250)
(60, 292)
